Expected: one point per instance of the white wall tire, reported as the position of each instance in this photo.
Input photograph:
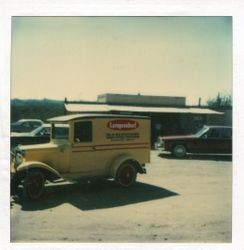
(179, 151)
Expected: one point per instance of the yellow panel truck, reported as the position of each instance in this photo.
(84, 146)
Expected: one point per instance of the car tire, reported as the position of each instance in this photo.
(126, 174)
(179, 151)
(33, 185)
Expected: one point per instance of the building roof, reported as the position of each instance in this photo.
(141, 100)
(67, 118)
(88, 108)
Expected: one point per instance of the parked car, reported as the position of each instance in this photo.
(25, 125)
(209, 139)
(96, 146)
(39, 135)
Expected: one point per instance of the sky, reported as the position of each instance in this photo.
(82, 57)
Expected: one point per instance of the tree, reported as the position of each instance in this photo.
(36, 109)
(220, 101)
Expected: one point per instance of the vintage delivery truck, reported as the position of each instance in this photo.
(87, 146)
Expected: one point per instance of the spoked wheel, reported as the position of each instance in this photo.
(179, 151)
(126, 174)
(34, 185)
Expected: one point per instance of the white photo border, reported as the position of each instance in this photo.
(9, 8)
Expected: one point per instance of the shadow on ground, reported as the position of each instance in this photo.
(207, 157)
(104, 194)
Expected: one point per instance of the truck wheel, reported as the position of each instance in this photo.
(179, 151)
(33, 185)
(126, 174)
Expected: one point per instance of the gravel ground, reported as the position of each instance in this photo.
(177, 201)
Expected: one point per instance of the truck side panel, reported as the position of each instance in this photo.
(111, 138)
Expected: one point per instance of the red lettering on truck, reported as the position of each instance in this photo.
(123, 124)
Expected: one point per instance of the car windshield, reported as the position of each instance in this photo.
(200, 132)
(60, 131)
(42, 130)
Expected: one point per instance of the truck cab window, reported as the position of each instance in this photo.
(83, 131)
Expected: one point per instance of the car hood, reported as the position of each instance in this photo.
(19, 134)
(177, 137)
(38, 146)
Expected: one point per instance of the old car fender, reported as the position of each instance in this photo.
(119, 160)
(50, 173)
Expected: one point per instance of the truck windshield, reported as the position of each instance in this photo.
(60, 131)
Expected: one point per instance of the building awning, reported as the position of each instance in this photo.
(72, 117)
(88, 108)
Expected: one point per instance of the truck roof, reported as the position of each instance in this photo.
(72, 117)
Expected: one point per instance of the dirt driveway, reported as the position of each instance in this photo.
(187, 200)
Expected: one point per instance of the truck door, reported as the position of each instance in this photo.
(82, 158)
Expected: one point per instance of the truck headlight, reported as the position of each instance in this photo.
(18, 159)
(18, 156)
